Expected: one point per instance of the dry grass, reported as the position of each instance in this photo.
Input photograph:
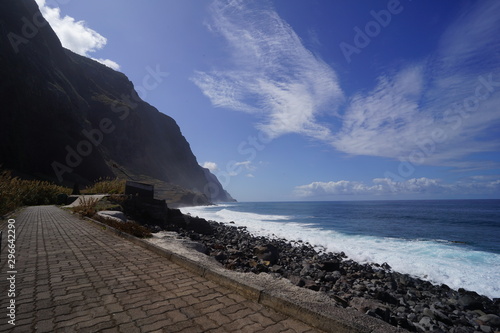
(15, 192)
(87, 207)
(90, 206)
(106, 186)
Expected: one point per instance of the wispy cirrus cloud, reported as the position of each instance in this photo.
(272, 74)
(437, 111)
(446, 104)
(75, 35)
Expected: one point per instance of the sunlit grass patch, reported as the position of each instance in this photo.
(106, 186)
(15, 192)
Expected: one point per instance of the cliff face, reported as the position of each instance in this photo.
(70, 119)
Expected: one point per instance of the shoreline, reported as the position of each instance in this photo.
(438, 250)
(398, 299)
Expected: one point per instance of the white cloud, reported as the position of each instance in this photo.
(386, 120)
(436, 112)
(75, 35)
(109, 63)
(212, 166)
(386, 186)
(273, 75)
(473, 37)
(410, 114)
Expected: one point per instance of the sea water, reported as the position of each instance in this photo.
(455, 242)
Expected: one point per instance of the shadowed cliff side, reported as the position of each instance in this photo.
(68, 118)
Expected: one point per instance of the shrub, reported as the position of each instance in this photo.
(87, 207)
(9, 197)
(106, 186)
(15, 192)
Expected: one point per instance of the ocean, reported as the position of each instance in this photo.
(455, 242)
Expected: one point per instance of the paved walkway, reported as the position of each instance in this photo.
(73, 277)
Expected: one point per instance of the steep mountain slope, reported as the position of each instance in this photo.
(70, 119)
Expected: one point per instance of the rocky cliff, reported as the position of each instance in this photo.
(70, 119)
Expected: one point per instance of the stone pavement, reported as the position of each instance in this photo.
(73, 277)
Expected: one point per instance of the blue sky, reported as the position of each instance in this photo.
(314, 100)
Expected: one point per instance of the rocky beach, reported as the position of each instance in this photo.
(376, 290)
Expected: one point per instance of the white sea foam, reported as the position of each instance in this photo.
(435, 261)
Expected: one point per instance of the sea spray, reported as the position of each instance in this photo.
(441, 261)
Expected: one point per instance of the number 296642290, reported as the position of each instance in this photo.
(11, 247)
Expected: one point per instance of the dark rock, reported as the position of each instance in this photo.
(384, 313)
(363, 304)
(196, 246)
(372, 313)
(340, 300)
(386, 266)
(425, 322)
(200, 226)
(297, 280)
(428, 312)
(470, 302)
(330, 266)
(220, 256)
(490, 320)
(260, 268)
(486, 329)
(310, 284)
(386, 297)
(438, 315)
(276, 268)
(329, 277)
(267, 252)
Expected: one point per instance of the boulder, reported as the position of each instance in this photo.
(364, 305)
(199, 225)
(113, 215)
(195, 246)
(470, 302)
(386, 297)
(267, 252)
(297, 280)
(196, 224)
(330, 266)
(490, 320)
